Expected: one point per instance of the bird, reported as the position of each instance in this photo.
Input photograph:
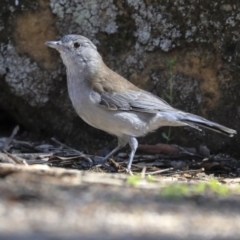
(109, 102)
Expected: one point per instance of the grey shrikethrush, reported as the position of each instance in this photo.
(109, 102)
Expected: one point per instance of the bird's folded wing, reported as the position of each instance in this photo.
(140, 101)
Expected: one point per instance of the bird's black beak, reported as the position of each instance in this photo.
(54, 44)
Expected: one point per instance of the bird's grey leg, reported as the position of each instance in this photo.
(112, 152)
(133, 143)
(121, 143)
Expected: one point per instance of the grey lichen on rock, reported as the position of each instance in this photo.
(21, 76)
(85, 17)
(23, 58)
(155, 28)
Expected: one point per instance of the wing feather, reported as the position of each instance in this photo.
(116, 93)
(130, 100)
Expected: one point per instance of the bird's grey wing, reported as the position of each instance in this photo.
(140, 101)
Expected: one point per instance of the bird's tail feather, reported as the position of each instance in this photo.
(196, 122)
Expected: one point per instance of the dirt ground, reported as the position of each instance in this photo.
(76, 204)
(44, 195)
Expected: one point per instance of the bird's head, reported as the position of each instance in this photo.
(76, 50)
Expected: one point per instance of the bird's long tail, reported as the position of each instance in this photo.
(196, 122)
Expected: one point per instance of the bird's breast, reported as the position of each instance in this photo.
(86, 103)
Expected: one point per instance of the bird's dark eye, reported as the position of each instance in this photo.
(76, 44)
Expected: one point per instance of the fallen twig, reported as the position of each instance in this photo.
(74, 150)
(4, 158)
(15, 159)
(9, 140)
(185, 171)
(159, 171)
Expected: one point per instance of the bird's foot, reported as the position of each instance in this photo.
(129, 171)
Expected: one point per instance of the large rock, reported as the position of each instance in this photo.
(185, 52)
